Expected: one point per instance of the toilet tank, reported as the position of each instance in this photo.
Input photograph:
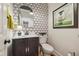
(43, 39)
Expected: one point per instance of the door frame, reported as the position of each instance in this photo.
(4, 31)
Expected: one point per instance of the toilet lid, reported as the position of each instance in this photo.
(47, 47)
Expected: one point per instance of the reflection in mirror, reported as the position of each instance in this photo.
(26, 16)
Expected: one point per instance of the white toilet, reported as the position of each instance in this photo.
(47, 49)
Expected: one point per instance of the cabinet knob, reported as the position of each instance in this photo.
(6, 41)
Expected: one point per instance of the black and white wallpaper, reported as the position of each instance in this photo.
(40, 11)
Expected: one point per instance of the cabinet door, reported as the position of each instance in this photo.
(19, 48)
(33, 46)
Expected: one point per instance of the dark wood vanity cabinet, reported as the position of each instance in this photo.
(25, 46)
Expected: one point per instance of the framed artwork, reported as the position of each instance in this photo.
(66, 16)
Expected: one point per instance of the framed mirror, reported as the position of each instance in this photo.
(26, 16)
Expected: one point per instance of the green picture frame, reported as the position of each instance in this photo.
(66, 16)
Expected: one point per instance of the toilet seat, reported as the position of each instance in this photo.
(47, 47)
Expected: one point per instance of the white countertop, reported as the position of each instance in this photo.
(27, 36)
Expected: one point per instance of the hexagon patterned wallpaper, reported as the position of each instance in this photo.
(40, 11)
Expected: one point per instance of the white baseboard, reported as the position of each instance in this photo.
(57, 53)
